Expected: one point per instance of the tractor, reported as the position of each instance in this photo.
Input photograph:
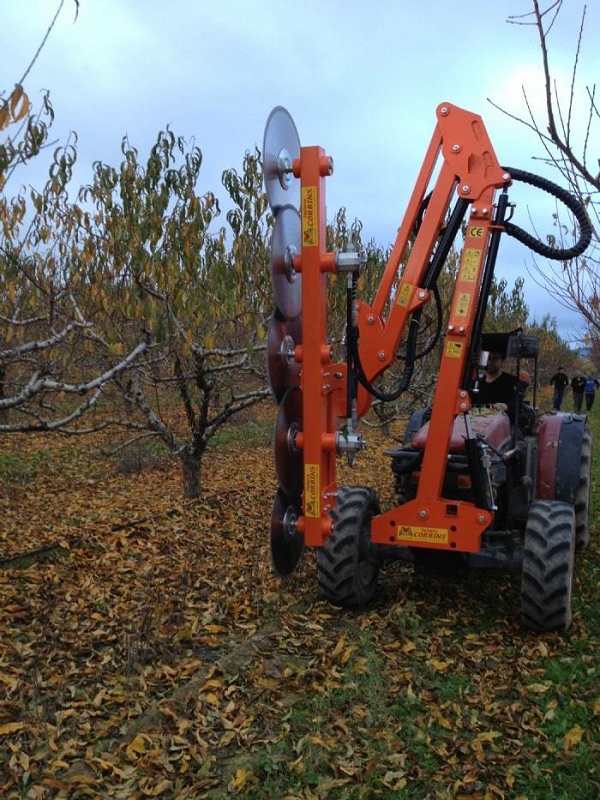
(475, 487)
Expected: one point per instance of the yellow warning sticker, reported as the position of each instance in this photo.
(312, 490)
(470, 264)
(462, 304)
(412, 533)
(453, 349)
(310, 227)
(404, 294)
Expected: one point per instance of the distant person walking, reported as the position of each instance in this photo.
(578, 388)
(591, 384)
(560, 382)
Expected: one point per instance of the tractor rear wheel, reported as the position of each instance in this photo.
(346, 575)
(548, 558)
(582, 497)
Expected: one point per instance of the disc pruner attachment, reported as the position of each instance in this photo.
(282, 337)
(288, 457)
(281, 146)
(285, 246)
(287, 544)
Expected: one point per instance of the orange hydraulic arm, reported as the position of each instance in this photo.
(460, 161)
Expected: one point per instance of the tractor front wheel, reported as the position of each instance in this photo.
(548, 559)
(346, 575)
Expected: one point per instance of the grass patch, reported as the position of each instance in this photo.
(250, 433)
(22, 467)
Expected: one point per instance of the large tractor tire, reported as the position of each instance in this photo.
(548, 559)
(582, 497)
(346, 575)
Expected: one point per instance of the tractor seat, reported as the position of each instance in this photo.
(494, 428)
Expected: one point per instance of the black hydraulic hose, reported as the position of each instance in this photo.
(572, 203)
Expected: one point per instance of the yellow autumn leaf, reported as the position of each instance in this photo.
(573, 737)
(19, 103)
(240, 779)
(10, 727)
(138, 745)
(538, 688)
(159, 789)
(488, 736)
(439, 666)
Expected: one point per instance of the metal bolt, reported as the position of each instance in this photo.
(485, 211)
(456, 148)
(381, 355)
(506, 176)
(422, 295)
(463, 406)
(444, 111)
(370, 320)
(423, 514)
(465, 189)
(481, 519)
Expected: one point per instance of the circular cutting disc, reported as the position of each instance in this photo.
(285, 244)
(289, 461)
(287, 544)
(282, 337)
(281, 145)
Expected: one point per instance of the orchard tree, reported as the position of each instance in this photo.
(568, 133)
(201, 299)
(45, 382)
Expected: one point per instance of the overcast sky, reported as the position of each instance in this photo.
(361, 79)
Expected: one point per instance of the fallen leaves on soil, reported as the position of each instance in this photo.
(148, 651)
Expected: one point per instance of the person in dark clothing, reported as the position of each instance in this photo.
(498, 388)
(560, 382)
(578, 388)
(591, 384)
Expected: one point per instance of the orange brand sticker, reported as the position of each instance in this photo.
(310, 228)
(312, 490)
(428, 535)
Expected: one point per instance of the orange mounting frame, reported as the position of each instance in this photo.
(468, 167)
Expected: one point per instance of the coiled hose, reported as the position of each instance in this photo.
(572, 203)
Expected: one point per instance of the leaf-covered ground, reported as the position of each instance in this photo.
(146, 650)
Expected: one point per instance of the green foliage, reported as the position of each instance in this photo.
(506, 309)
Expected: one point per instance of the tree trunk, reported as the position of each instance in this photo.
(191, 469)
